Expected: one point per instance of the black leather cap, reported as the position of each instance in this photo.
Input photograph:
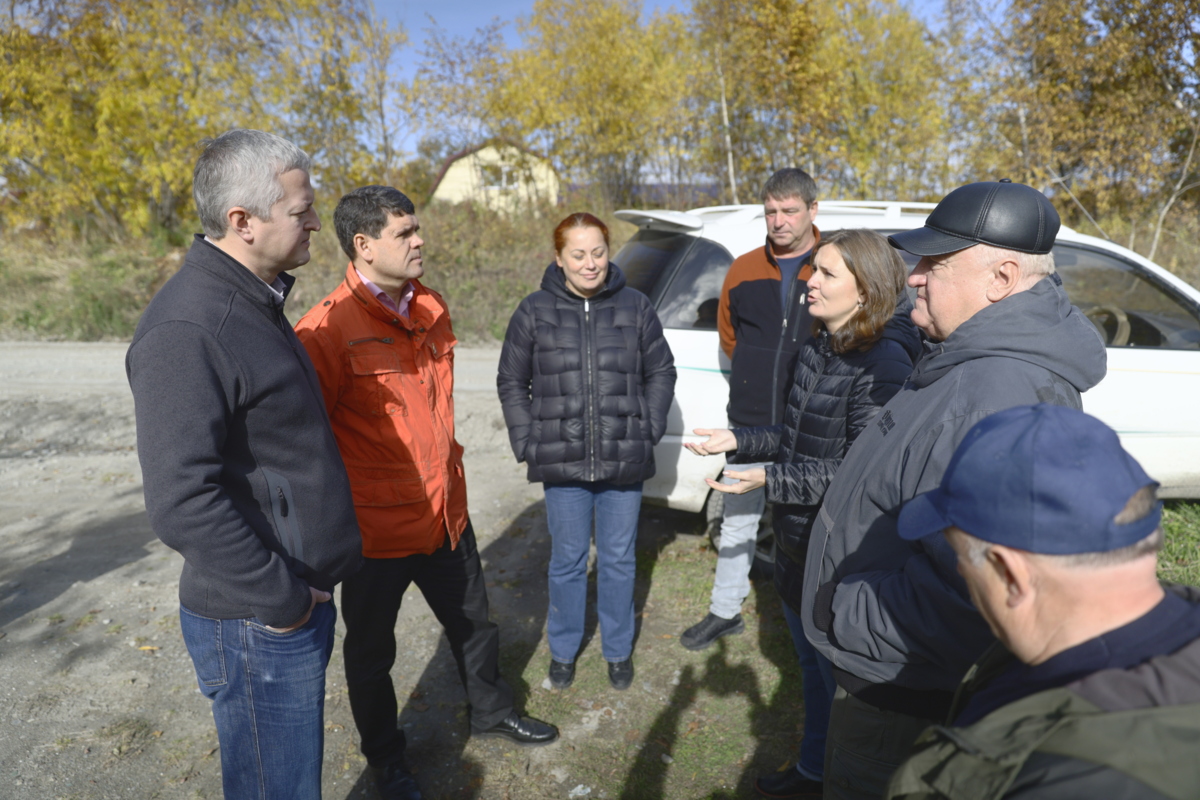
(1000, 213)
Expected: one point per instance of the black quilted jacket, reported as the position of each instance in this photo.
(832, 399)
(586, 385)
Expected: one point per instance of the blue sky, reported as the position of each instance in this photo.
(461, 18)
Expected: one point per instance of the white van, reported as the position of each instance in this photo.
(1149, 318)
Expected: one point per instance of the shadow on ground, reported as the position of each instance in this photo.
(435, 716)
(94, 550)
(772, 719)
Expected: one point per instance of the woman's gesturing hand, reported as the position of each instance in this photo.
(747, 481)
(720, 440)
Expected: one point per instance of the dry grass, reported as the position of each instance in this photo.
(483, 262)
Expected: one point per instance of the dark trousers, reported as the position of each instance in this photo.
(453, 584)
(865, 746)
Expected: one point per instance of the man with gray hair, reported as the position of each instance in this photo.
(241, 471)
(1093, 689)
(893, 616)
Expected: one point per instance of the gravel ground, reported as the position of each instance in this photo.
(97, 693)
(99, 697)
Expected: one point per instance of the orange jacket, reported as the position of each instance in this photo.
(388, 383)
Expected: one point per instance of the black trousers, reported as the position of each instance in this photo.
(453, 584)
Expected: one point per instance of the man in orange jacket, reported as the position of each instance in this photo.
(382, 345)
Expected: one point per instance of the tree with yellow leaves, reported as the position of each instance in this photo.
(103, 104)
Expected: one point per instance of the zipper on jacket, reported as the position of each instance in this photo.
(385, 340)
(791, 300)
(589, 378)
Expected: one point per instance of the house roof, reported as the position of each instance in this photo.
(475, 149)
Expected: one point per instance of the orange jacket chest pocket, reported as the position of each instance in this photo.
(378, 379)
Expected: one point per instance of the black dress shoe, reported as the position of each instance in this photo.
(395, 782)
(562, 675)
(620, 674)
(788, 784)
(709, 629)
(522, 730)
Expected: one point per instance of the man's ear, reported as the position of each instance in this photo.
(238, 220)
(362, 247)
(1005, 277)
(1012, 569)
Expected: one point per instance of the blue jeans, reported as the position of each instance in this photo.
(819, 687)
(268, 700)
(571, 509)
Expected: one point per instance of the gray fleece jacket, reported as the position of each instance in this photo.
(241, 472)
(887, 611)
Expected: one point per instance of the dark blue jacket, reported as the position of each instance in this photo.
(241, 471)
(586, 385)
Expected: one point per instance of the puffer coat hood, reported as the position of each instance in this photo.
(1038, 326)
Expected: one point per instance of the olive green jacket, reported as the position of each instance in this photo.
(1116, 733)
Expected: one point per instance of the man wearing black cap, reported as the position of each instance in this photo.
(893, 616)
(1094, 687)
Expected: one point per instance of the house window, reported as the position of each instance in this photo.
(497, 177)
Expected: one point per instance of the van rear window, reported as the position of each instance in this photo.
(649, 256)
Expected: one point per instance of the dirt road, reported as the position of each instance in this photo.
(98, 694)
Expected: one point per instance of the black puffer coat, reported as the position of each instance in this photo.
(832, 399)
(586, 385)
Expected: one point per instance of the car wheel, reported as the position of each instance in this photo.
(763, 566)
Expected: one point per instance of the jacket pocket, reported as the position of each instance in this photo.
(377, 383)
(283, 511)
(389, 492)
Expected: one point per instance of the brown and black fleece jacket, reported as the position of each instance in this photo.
(761, 339)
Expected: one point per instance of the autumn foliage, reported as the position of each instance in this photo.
(103, 103)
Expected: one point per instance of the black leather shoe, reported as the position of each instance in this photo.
(395, 782)
(561, 675)
(788, 784)
(522, 730)
(620, 674)
(709, 629)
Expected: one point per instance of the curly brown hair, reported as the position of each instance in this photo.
(880, 274)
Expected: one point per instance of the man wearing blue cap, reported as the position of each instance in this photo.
(1094, 687)
(893, 616)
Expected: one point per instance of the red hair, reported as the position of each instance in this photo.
(580, 219)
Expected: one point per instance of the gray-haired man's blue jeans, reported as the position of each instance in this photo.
(739, 534)
(268, 700)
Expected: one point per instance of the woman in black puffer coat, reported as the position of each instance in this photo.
(586, 379)
(861, 352)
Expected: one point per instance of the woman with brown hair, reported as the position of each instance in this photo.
(862, 350)
(586, 379)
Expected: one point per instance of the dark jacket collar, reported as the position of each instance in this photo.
(224, 267)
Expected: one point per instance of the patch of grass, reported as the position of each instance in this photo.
(116, 627)
(82, 622)
(481, 261)
(55, 619)
(693, 724)
(129, 736)
(1179, 561)
(77, 290)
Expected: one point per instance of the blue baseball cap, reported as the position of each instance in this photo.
(1044, 479)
